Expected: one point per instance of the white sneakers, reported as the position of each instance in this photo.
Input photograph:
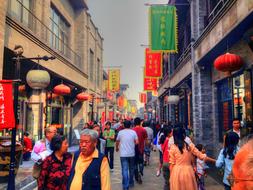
(158, 173)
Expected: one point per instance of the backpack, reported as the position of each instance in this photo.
(37, 167)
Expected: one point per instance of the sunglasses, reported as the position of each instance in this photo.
(232, 180)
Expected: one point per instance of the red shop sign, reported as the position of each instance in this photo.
(7, 119)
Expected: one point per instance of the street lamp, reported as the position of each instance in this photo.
(18, 57)
(185, 101)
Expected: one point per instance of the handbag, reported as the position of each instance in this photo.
(36, 170)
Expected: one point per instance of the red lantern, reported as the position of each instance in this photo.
(21, 88)
(82, 96)
(51, 95)
(228, 62)
(62, 89)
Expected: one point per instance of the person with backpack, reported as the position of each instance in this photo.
(109, 136)
(227, 156)
(42, 149)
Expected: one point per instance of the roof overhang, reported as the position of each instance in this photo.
(79, 4)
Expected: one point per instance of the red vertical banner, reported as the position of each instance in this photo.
(103, 119)
(109, 95)
(153, 65)
(143, 97)
(120, 101)
(150, 84)
(7, 119)
(111, 115)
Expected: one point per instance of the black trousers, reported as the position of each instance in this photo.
(110, 150)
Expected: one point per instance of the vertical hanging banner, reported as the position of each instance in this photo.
(111, 116)
(114, 80)
(155, 93)
(150, 84)
(163, 28)
(7, 119)
(143, 97)
(153, 65)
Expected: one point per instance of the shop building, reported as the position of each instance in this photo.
(214, 98)
(61, 29)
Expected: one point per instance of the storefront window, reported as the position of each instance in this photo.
(238, 97)
(242, 96)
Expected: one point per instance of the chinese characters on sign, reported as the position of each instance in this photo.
(248, 95)
(163, 28)
(114, 80)
(153, 64)
(7, 120)
(150, 84)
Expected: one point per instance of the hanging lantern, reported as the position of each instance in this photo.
(172, 99)
(228, 62)
(52, 95)
(38, 79)
(82, 96)
(62, 89)
(21, 88)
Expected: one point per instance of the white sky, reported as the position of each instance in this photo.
(124, 26)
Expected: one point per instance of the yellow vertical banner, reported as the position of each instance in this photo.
(114, 80)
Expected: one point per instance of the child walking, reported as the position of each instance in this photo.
(227, 156)
(201, 168)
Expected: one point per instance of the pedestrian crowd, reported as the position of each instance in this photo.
(183, 165)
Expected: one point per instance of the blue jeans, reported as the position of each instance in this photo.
(110, 150)
(127, 169)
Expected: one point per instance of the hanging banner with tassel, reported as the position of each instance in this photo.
(163, 28)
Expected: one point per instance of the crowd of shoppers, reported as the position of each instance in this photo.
(182, 164)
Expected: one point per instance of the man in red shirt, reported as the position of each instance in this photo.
(27, 147)
(139, 149)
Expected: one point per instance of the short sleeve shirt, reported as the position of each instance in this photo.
(110, 133)
(142, 135)
(126, 138)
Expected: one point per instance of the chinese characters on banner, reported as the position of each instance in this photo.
(143, 97)
(114, 80)
(248, 95)
(7, 119)
(163, 28)
(150, 84)
(153, 67)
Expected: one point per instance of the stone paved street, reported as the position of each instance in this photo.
(150, 181)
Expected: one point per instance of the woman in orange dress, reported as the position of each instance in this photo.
(181, 153)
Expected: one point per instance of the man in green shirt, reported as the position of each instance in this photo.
(109, 136)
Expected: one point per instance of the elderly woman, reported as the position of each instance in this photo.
(90, 169)
(56, 167)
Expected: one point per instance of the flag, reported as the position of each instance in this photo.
(7, 119)
(163, 28)
(114, 80)
(143, 97)
(150, 84)
(153, 65)
(111, 116)
(155, 93)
